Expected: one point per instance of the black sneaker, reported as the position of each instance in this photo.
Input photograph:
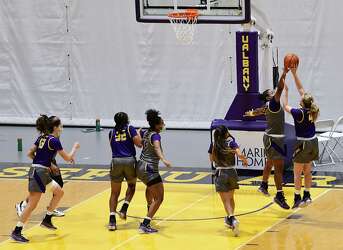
(228, 222)
(122, 215)
(281, 200)
(48, 225)
(112, 226)
(297, 201)
(18, 237)
(146, 229)
(306, 199)
(263, 190)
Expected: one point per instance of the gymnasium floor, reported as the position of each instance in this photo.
(191, 216)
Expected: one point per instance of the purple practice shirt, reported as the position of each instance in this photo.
(303, 126)
(122, 142)
(47, 148)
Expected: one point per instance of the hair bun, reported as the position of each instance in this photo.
(152, 114)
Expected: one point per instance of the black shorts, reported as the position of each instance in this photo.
(58, 179)
(148, 173)
(306, 151)
(274, 147)
(39, 178)
(226, 180)
(154, 181)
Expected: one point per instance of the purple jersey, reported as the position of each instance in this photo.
(47, 148)
(303, 126)
(122, 142)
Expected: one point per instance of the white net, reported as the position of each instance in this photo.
(183, 24)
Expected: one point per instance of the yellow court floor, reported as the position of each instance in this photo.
(190, 218)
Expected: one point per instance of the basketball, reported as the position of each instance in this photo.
(291, 61)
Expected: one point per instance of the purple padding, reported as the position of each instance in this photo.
(240, 125)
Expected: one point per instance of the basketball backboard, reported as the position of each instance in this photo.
(210, 11)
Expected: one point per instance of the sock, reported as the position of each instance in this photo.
(112, 213)
(307, 190)
(146, 221)
(125, 206)
(49, 213)
(297, 192)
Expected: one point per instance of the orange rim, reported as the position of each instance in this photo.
(187, 14)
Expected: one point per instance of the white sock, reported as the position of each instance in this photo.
(307, 189)
(127, 202)
(297, 191)
(112, 213)
(49, 213)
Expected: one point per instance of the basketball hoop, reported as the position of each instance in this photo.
(183, 23)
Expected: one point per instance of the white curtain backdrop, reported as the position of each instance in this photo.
(86, 59)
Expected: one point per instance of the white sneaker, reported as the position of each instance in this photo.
(19, 207)
(57, 213)
(235, 227)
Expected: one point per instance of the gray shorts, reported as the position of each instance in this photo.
(123, 168)
(148, 173)
(226, 180)
(274, 147)
(39, 178)
(306, 151)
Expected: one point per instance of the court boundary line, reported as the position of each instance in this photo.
(205, 219)
(278, 222)
(160, 222)
(72, 207)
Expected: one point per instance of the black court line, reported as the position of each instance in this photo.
(202, 219)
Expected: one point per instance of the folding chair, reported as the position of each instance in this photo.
(336, 134)
(322, 127)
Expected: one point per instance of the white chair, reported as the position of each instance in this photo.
(335, 135)
(322, 127)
